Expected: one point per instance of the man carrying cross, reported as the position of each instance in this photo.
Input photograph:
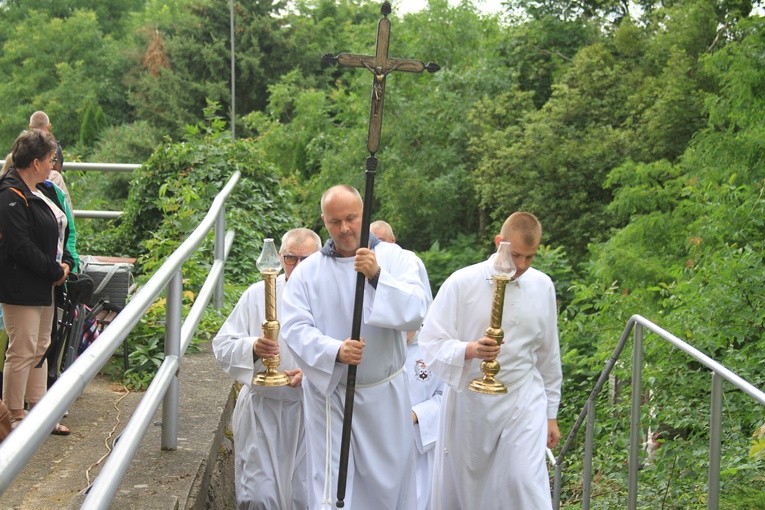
(316, 320)
(371, 454)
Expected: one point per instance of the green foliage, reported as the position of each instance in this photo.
(315, 130)
(110, 15)
(126, 143)
(172, 191)
(146, 341)
(690, 259)
(146, 352)
(554, 262)
(93, 122)
(60, 65)
(557, 157)
(442, 262)
(169, 196)
(185, 59)
(539, 51)
(747, 498)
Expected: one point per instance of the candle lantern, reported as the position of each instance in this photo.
(503, 263)
(269, 264)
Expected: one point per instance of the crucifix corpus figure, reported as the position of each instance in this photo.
(379, 473)
(380, 65)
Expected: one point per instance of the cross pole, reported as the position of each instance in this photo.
(380, 65)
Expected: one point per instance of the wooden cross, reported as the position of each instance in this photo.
(380, 65)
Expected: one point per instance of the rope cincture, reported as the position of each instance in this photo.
(326, 500)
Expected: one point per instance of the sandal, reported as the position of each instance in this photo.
(16, 419)
(60, 430)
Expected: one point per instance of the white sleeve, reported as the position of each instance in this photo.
(426, 428)
(233, 344)
(442, 351)
(548, 356)
(401, 298)
(314, 352)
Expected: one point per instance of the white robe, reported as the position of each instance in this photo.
(425, 390)
(421, 271)
(318, 312)
(269, 428)
(491, 448)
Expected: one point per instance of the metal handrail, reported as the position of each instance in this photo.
(719, 373)
(99, 167)
(35, 428)
(96, 167)
(97, 215)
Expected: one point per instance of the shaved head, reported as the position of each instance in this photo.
(341, 211)
(335, 191)
(524, 233)
(525, 225)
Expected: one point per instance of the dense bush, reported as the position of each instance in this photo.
(169, 196)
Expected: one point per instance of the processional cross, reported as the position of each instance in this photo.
(380, 65)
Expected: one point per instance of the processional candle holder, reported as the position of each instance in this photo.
(503, 263)
(269, 264)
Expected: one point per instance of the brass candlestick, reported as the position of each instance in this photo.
(504, 263)
(269, 265)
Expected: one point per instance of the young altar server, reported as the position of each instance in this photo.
(490, 451)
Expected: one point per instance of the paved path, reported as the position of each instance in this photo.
(63, 467)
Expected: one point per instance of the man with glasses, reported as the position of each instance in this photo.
(268, 423)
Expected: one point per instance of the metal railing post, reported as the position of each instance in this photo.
(715, 442)
(637, 397)
(719, 374)
(589, 441)
(220, 247)
(558, 482)
(172, 348)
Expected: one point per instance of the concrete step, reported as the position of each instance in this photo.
(199, 474)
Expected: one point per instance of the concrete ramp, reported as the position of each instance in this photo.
(198, 475)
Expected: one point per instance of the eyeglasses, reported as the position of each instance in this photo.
(291, 260)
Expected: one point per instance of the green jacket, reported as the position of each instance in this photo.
(72, 239)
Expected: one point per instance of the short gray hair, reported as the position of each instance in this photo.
(384, 227)
(298, 236)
